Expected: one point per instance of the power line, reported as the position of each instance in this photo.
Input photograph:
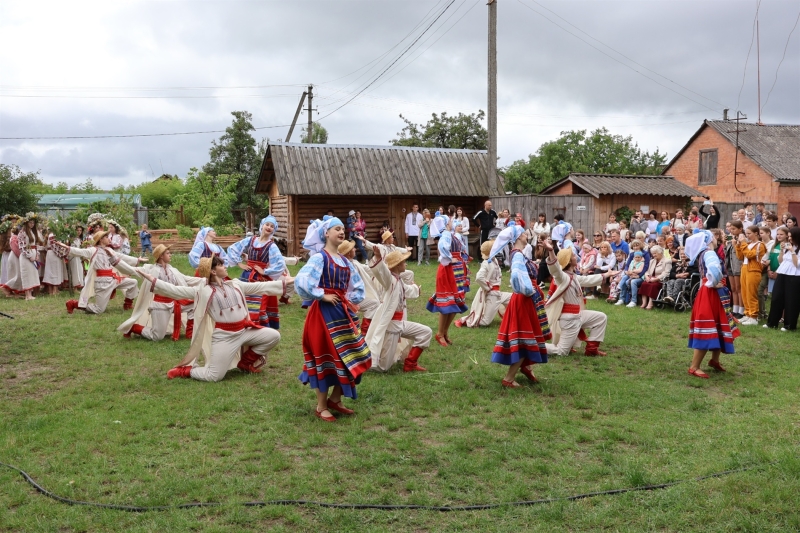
(130, 135)
(173, 97)
(614, 58)
(781, 62)
(747, 59)
(140, 88)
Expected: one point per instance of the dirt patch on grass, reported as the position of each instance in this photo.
(30, 379)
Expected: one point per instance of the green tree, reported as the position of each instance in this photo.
(207, 198)
(444, 131)
(18, 190)
(237, 155)
(575, 151)
(319, 135)
(48, 188)
(87, 187)
(161, 193)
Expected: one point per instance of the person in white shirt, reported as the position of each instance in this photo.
(612, 224)
(540, 227)
(464, 223)
(412, 230)
(502, 220)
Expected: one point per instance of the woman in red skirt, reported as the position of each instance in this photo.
(447, 299)
(524, 330)
(712, 325)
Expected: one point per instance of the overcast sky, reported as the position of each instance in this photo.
(84, 68)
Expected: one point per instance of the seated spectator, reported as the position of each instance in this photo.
(605, 263)
(631, 280)
(384, 228)
(616, 277)
(679, 277)
(662, 242)
(598, 239)
(618, 244)
(658, 272)
(541, 227)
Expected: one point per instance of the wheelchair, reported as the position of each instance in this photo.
(685, 298)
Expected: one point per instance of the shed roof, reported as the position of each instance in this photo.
(355, 170)
(72, 200)
(597, 184)
(773, 147)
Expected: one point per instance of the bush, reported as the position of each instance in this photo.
(185, 232)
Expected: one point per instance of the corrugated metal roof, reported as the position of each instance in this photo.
(598, 184)
(345, 170)
(775, 148)
(72, 200)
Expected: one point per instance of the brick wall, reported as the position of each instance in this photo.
(756, 184)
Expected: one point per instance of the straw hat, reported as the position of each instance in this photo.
(564, 257)
(386, 235)
(396, 257)
(97, 235)
(159, 251)
(204, 268)
(486, 249)
(346, 247)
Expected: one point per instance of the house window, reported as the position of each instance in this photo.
(707, 173)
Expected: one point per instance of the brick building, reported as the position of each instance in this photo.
(767, 168)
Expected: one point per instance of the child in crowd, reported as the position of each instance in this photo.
(733, 266)
(632, 280)
(612, 223)
(765, 233)
(616, 278)
(624, 233)
(587, 264)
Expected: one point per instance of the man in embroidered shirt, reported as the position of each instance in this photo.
(412, 230)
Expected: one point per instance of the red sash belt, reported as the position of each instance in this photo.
(176, 313)
(398, 315)
(237, 326)
(495, 287)
(108, 273)
(571, 309)
(253, 272)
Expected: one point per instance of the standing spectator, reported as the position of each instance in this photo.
(791, 222)
(695, 222)
(624, 232)
(766, 237)
(638, 223)
(541, 227)
(350, 225)
(712, 216)
(785, 300)
(759, 218)
(360, 229)
(784, 217)
(750, 250)
(652, 226)
(618, 244)
(485, 219)
(412, 231)
(679, 219)
(425, 237)
(519, 220)
(502, 220)
(733, 266)
(665, 222)
(144, 240)
(464, 224)
(559, 230)
(611, 224)
(771, 223)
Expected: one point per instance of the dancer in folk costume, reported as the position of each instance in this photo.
(460, 258)
(371, 300)
(224, 335)
(393, 335)
(155, 316)
(566, 306)
(114, 235)
(102, 278)
(55, 268)
(28, 255)
(75, 265)
(386, 246)
(712, 326)
(447, 299)
(489, 301)
(521, 340)
(334, 350)
(9, 243)
(263, 262)
(204, 247)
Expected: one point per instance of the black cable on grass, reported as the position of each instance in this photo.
(7, 316)
(360, 506)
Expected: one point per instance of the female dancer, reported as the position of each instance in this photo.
(55, 269)
(10, 283)
(460, 260)
(334, 350)
(204, 247)
(263, 262)
(75, 265)
(447, 299)
(712, 326)
(29, 256)
(114, 235)
(524, 330)
(224, 328)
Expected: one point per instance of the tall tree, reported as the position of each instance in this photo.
(18, 190)
(207, 198)
(319, 135)
(575, 151)
(236, 154)
(444, 131)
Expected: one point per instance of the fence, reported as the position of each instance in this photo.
(577, 208)
(726, 210)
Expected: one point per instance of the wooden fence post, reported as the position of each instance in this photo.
(180, 216)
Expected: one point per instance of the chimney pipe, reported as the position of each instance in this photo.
(725, 114)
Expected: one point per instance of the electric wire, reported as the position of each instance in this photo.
(781, 61)
(380, 507)
(130, 135)
(747, 59)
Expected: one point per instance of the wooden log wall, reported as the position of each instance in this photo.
(170, 236)
(578, 209)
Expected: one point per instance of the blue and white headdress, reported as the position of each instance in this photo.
(508, 235)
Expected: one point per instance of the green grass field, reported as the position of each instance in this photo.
(91, 416)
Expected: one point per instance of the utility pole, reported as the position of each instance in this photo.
(310, 109)
(758, 55)
(491, 119)
(296, 114)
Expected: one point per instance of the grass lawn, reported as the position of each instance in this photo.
(91, 416)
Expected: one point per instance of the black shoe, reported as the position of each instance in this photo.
(738, 316)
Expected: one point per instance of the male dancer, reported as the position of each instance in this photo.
(566, 307)
(371, 300)
(155, 315)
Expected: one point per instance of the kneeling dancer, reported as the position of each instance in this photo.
(154, 316)
(224, 334)
(392, 332)
(524, 330)
(489, 301)
(101, 279)
(566, 306)
(712, 326)
(334, 350)
(371, 302)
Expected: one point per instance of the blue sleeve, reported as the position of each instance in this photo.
(626, 247)
(713, 267)
(276, 263)
(520, 281)
(646, 262)
(306, 283)
(235, 251)
(445, 240)
(355, 289)
(195, 253)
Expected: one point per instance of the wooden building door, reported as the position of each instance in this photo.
(794, 209)
(398, 209)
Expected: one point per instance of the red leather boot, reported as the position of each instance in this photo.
(136, 328)
(189, 328)
(71, 305)
(593, 349)
(128, 304)
(365, 322)
(410, 364)
(180, 372)
(248, 360)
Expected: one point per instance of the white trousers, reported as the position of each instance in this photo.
(226, 349)
(417, 335)
(490, 307)
(572, 324)
(104, 286)
(368, 307)
(160, 315)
